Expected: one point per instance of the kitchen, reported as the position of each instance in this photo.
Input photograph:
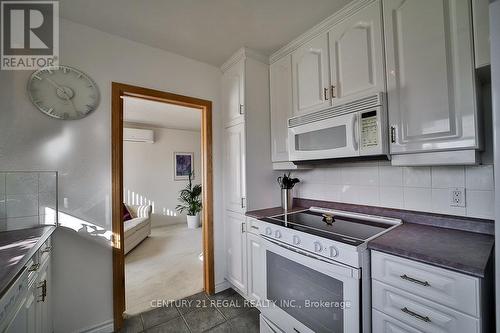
(354, 180)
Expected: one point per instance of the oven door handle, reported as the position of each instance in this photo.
(354, 272)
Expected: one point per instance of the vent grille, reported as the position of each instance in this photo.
(357, 105)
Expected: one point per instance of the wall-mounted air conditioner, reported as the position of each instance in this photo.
(138, 135)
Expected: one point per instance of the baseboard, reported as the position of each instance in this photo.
(221, 286)
(105, 327)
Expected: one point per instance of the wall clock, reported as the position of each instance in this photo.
(63, 92)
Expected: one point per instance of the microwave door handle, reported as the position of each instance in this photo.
(355, 132)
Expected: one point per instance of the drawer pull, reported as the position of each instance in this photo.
(254, 227)
(416, 315)
(47, 249)
(34, 268)
(422, 283)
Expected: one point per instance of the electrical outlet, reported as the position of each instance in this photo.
(457, 197)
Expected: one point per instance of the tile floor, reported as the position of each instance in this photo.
(222, 312)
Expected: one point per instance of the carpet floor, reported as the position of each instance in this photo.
(165, 266)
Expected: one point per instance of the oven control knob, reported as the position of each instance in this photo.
(333, 251)
(296, 240)
(277, 234)
(318, 247)
(269, 232)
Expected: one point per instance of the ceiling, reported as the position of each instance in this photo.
(139, 111)
(205, 30)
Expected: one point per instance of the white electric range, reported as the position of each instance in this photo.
(317, 270)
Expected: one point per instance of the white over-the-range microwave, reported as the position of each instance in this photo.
(354, 129)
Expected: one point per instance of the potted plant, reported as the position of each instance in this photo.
(190, 202)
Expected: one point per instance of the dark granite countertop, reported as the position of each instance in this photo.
(16, 248)
(268, 212)
(461, 251)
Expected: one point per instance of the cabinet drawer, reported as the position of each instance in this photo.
(382, 323)
(420, 313)
(458, 291)
(253, 225)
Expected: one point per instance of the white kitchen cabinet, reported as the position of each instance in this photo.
(44, 299)
(407, 293)
(233, 87)
(311, 76)
(235, 168)
(236, 250)
(430, 77)
(480, 9)
(27, 304)
(280, 75)
(255, 269)
(25, 317)
(356, 55)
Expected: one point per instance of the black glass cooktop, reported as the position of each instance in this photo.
(344, 229)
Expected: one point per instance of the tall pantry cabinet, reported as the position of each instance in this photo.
(249, 180)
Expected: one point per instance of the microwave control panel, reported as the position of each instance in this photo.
(369, 130)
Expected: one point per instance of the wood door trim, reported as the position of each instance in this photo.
(118, 91)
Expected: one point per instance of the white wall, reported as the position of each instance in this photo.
(148, 172)
(81, 152)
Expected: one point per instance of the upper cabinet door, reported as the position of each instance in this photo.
(356, 55)
(310, 75)
(281, 107)
(235, 169)
(430, 75)
(233, 92)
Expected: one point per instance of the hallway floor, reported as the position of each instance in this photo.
(220, 313)
(165, 266)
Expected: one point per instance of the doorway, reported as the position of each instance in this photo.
(119, 93)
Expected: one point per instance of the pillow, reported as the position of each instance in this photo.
(126, 213)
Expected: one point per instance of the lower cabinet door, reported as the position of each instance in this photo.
(43, 299)
(235, 239)
(254, 267)
(25, 318)
(420, 313)
(382, 323)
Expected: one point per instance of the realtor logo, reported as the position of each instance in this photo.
(30, 34)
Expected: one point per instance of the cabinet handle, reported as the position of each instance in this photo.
(242, 109)
(242, 227)
(325, 94)
(254, 227)
(243, 202)
(393, 134)
(34, 267)
(333, 92)
(416, 315)
(43, 286)
(422, 283)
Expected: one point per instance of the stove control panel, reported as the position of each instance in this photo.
(319, 246)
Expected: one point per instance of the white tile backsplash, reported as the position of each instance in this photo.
(417, 176)
(441, 199)
(480, 177)
(414, 188)
(24, 197)
(2, 183)
(390, 176)
(481, 204)
(446, 177)
(22, 205)
(418, 198)
(22, 183)
(391, 196)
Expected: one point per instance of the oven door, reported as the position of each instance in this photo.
(304, 293)
(329, 138)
